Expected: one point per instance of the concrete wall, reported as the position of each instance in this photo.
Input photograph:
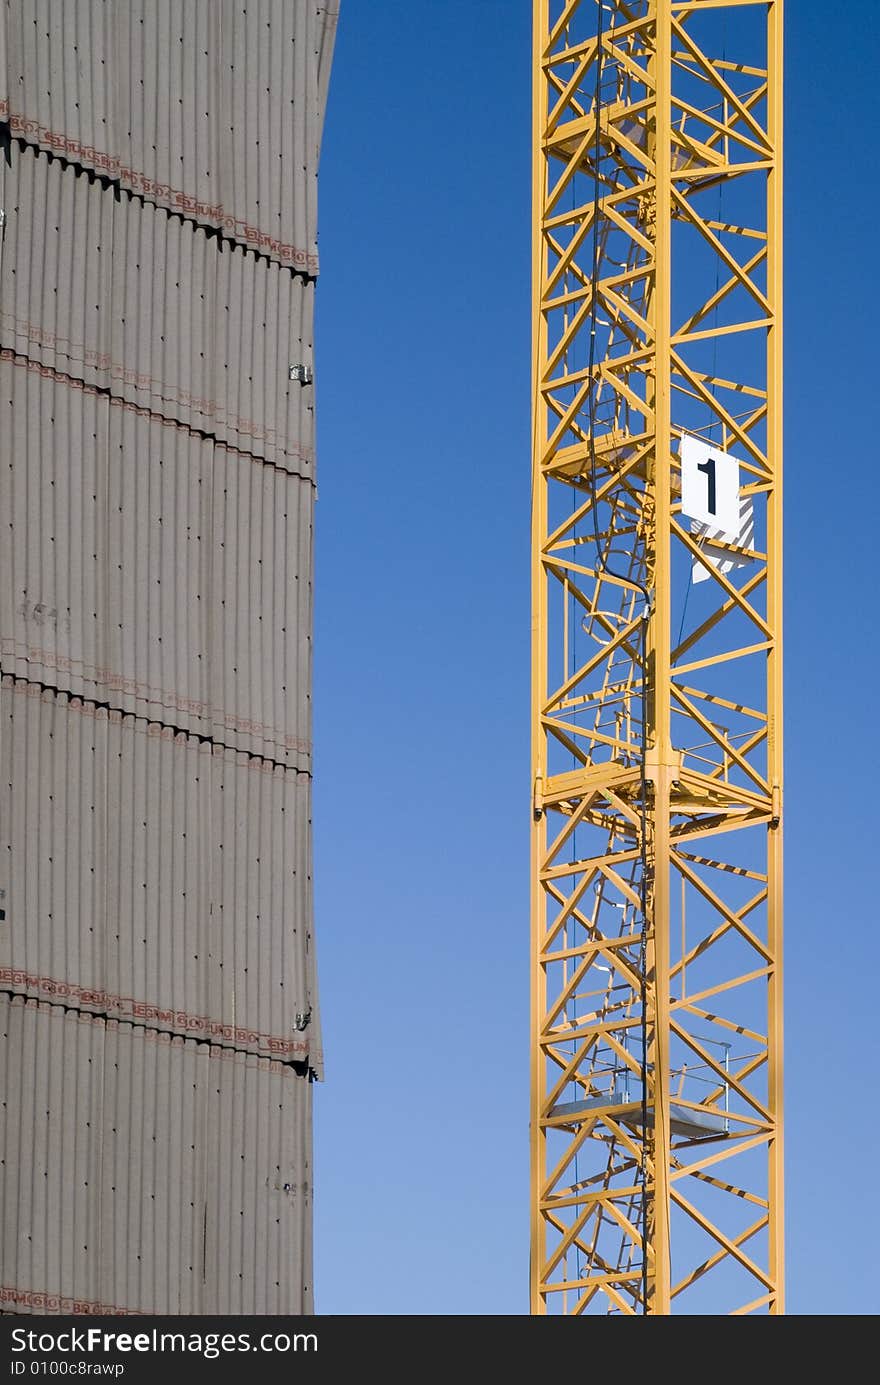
(158, 993)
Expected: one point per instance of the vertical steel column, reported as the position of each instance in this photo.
(537, 1141)
(774, 658)
(658, 501)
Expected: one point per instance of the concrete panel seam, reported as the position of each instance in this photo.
(301, 1067)
(24, 362)
(202, 738)
(180, 203)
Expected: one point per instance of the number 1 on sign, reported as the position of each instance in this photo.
(710, 487)
(709, 468)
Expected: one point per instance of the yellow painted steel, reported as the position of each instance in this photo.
(656, 917)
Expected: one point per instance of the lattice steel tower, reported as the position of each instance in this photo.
(657, 658)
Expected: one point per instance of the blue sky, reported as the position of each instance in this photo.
(422, 662)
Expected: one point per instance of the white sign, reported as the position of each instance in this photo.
(710, 487)
(720, 558)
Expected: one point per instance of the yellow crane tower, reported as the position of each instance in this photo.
(656, 1117)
